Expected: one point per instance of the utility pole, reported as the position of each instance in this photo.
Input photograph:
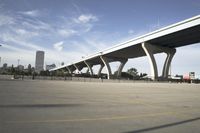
(170, 69)
(18, 64)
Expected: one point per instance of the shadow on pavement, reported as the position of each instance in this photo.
(164, 126)
(39, 105)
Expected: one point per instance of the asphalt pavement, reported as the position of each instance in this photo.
(95, 107)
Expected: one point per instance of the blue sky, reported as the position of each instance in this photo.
(69, 29)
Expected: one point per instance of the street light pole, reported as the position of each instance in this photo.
(0, 57)
(18, 62)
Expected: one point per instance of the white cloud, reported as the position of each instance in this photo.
(66, 33)
(32, 13)
(95, 44)
(19, 40)
(6, 20)
(26, 34)
(21, 31)
(12, 48)
(75, 25)
(36, 25)
(58, 46)
(86, 18)
(131, 32)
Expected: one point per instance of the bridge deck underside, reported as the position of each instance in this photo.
(177, 39)
(180, 38)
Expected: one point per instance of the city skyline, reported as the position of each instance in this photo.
(69, 30)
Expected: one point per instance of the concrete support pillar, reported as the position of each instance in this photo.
(107, 65)
(100, 69)
(150, 49)
(170, 54)
(69, 70)
(76, 68)
(121, 66)
(89, 67)
(88, 70)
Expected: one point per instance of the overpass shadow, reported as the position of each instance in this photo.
(39, 105)
(164, 126)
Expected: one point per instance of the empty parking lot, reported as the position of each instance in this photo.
(88, 107)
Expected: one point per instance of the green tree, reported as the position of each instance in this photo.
(29, 69)
(45, 73)
(133, 72)
(142, 75)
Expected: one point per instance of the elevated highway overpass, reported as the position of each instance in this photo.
(165, 40)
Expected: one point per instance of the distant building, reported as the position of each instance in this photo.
(188, 76)
(48, 67)
(5, 65)
(192, 75)
(29, 67)
(39, 61)
(20, 67)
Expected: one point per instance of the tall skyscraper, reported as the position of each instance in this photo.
(39, 61)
